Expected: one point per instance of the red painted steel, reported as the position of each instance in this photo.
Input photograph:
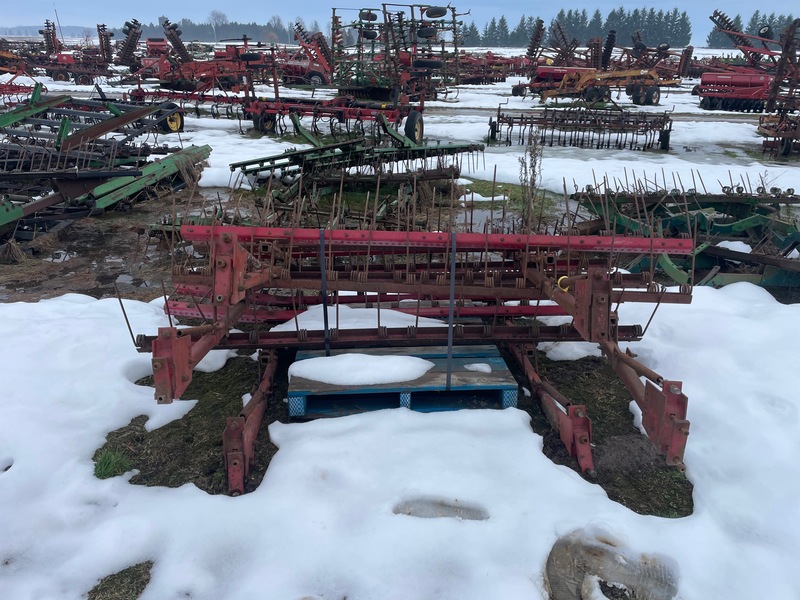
(238, 439)
(302, 239)
(570, 421)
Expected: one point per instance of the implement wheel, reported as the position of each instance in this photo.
(172, 123)
(267, 123)
(315, 78)
(652, 95)
(435, 12)
(414, 127)
(60, 76)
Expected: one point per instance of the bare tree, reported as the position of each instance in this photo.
(217, 18)
(87, 38)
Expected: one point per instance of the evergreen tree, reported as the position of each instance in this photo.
(755, 22)
(519, 35)
(595, 27)
(502, 32)
(473, 35)
(490, 33)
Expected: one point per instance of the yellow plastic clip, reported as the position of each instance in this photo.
(560, 279)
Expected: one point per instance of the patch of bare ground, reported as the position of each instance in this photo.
(628, 467)
(189, 450)
(127, 584)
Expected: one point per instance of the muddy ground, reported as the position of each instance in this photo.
(98, 256)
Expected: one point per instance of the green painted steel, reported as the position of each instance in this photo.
(21, 113)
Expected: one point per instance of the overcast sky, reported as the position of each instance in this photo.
(79, 12)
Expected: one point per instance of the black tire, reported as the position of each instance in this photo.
(369, 34)
(427, 63)
(696, 90)
(315, 78)
(414, 128)
(629, 87)
(787, 145)
(652, 95)
(250, 56)
(517, 90)
(172, 123)
(367, 15)
(705, 103)
(663, 140)
(765, 31)
(266, 123)
(83, 79)
(427, 32)
(662, 47)
(60, 76)
(435, 12)
(590, 94)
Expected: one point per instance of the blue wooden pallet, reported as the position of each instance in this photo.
(468, 389)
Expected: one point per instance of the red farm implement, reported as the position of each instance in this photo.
(767, 79)
(254, 274)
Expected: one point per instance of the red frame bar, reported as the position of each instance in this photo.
(437, 241)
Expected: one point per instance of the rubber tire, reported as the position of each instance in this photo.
(787, 145)
(249, 56)
(414, 128)
(427, 63)
(266, 123)
(663, 140)
(83, 79)
(765, 31)
(173, 123)
(652, 95)
(435, 12)
(367, 15)
(590, 94)
(662, 47)
(427, 32)
(369, 34)
(315, 78)
(60, 76)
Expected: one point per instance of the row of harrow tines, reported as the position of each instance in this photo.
(498, 285)
(62, 157)
(583, 127)
(357, 181)
(745, 232)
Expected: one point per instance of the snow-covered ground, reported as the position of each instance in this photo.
(322, 525)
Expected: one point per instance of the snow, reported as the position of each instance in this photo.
(345, 317)
(323, 524)
(360, 369)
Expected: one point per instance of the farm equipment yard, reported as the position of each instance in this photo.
(398, 318)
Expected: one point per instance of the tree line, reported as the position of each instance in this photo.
(219, 28)
(653, 27)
